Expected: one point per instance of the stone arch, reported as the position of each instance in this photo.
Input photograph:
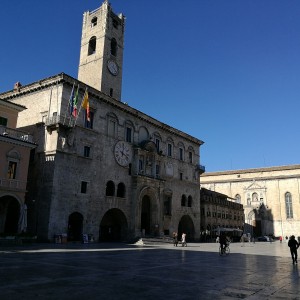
(121, 190)
(110, 188)
(148, 212)
(113, 226)
(143, 134)
(186, 225)
(92, 45)
(75, 226)
(9, 214)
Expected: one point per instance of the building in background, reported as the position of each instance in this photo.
(220, 213)
(102, 167)
(15, 148)
(270, 197)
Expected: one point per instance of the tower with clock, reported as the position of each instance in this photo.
(101, 51)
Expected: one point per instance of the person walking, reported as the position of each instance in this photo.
(175, 238)
(294, 245)
(183, 240)
(223, 241)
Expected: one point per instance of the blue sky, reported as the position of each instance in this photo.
(226, 72)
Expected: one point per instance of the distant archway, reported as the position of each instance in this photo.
(113, 226)
(146, 215)
(75, 226)
(9, 215)
(186, 225)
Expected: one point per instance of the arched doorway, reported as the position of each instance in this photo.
(113, 227)
(146, 215)
(75, 226)
(9, 215)
(186, 225)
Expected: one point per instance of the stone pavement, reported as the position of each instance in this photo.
(121, 271)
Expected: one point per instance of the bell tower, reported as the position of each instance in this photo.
(101, 51)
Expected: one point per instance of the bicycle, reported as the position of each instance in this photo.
(224, 251)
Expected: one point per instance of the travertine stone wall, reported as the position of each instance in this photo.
(262, 187)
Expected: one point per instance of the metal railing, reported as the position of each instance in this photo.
(16, 134)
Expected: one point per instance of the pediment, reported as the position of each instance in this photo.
(254, 186)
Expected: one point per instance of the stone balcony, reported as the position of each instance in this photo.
(56, 120)
(16, 134)
(12, 184)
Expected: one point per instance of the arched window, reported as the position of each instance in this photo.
(143, 134)
(254, 197)
(237, 198)
(121, 190)
(113, 47)
(183, 200)
(288, 205)
(92, 45)
(190, 200)
(112, 125)
(13, 161)
(94, 22)
(110, 188)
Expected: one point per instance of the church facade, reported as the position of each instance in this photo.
(270, 197)
(110, 171)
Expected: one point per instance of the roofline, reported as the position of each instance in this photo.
(12, 105)
(64, 78)
(253, 170)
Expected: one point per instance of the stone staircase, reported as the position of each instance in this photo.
(148, 240)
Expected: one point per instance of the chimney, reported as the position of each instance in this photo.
(17, 86)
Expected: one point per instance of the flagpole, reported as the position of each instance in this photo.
(80, 106)
(70, 99)
(75, 106)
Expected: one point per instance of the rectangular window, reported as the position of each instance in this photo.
(86, 151)
(3, 121)
(112, 127)
(190, 157)
(157, 170)
(12, 170)
(180, 153)
(83, 187)
(141, 165)
(167, 206)
(180, 176)
(157, 144)
(89, 123)
(128, 135)
(169, 150)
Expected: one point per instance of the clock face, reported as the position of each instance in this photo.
(113, 67)
(123, 153)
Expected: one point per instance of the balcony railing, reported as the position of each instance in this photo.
(16, 134)
(12, 184)
(58, 119)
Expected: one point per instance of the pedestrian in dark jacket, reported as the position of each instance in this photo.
(294, 245)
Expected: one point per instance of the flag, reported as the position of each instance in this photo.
(71, 100)
(75, 101)
(86, 105)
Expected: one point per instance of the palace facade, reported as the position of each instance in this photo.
(107, 170)
(270, 196)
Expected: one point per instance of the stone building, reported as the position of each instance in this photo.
(220, 213)
(111, 171)
(270, 197)
(15, 148)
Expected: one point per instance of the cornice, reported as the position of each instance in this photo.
(64, 78)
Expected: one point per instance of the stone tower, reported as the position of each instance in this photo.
(101, 52)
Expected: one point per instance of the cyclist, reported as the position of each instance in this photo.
(223, 241)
